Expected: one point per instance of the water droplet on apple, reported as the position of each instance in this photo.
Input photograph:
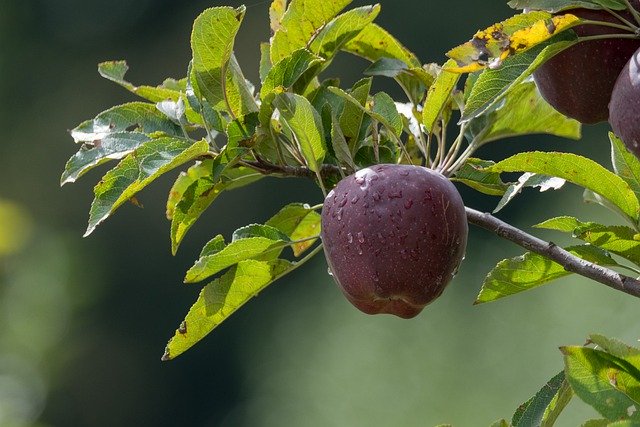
(355, 199)
(350, 238)
(360, 237)
(395, 194)
(343, 201)
(408, 204)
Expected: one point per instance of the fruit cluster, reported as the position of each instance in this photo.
(598, 79)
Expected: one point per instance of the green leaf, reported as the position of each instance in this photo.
(287, 71)
(543, 409)
(625, 164)
(601, 381)
(112, 146)
(259, 230)
(596, 423)
(525, 112)
(494, 84)
(384, 106)
(216, 75)
(195, 190)
(340, 147)
(352, 115)
(528, 179)
(473, 173)
(578, 170)
(265, 60)
(305, 123)
(302, 21)
(221, 298)
(258, 247)
(618, 349)
(500, 423)
(340, 30)
(439, 95)
(137, 170)
(299, 222)
(620, 240)
(559, 5)
(529, 271)
(140, 116)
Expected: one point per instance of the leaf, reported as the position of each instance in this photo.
(216, 75)
(617, 239)
(517, 34)
(297, 221)
(500, 423)
(287, 71)
(625, 164)
(265, 60)
(493, 85)
(601, 381)
(262, 247)
(473, 173)
(196, 190)
(525, 112)
(340, 147)
(596, 423)
(618, 349)
(221, 298)
(529, 271)
(113, 146)
(305, 123)
(543, 408)
(438, 96)
(352, 115)
(384, 106)
(302, 21)
(578, 170)
(136, 171)
(140, 116)
(528, 179)
(340, 30)
(559, 5)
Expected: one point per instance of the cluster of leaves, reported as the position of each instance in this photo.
(301, 123)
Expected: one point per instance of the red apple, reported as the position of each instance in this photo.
(394, 236)
(578, 81)
(625, 105)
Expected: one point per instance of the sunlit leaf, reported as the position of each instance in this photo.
(601, 380)
(438, 96)
(287, 71)
(517, 34)
(529, 271)
(298, 222)
(618, 349)
(112, 147)
(216, 74)
(136, 171)
(543, 409)
(242, 248)
(543, 182)
(340, 147)
(335, 34)
(352, 114)
(578, 170)
(525, 112)
(302, 21)
(625, 163)
(139, 116)
(474, 174)
(221, 298)
(617, 239)
(383, 105)
(493, 85)
(305, 123)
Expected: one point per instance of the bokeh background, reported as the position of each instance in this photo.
(83, 322)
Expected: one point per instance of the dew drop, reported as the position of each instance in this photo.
(376, 196)
(360, 180)
(339, 215)
(395, 194)
(360, 237)
(408, 204)
(350, 238)
(329, 272)
(343, 201)
(355, 199)
(360, 250)
(381, 238)
(404, 172)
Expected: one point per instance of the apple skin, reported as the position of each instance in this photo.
(625, 105)
(394, 236)
(578, 81)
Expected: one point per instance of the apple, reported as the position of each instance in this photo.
(578, 81)
(624, 109)
(394, 236)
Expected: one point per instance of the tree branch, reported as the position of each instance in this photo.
(550, 250)
(570, 262)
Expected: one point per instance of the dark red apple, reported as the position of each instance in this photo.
(624, 108)
(578, 81)
(394, 236)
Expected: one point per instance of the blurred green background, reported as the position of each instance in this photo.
(84, 321)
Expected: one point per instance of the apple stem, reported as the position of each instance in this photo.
(633, 11)
(550, 250)
(621, 18)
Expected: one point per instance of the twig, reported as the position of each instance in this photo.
(549, 250)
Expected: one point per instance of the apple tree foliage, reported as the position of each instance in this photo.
(226, 133)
